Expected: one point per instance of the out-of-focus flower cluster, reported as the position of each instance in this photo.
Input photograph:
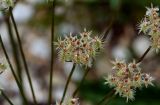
(5, 4)
(151, 25)
(125, 78)
(73, 101)
(2, 67)
(79, 49)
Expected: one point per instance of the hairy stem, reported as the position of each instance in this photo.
(52, 55)
(67, 83)
(6, 97)
(13, 72)
(23, 56)
(85, 74)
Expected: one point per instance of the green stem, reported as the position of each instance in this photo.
(23, 56)
(52, 55)
(67, 83)
(85, 74)
(6, 97)
(12, 70)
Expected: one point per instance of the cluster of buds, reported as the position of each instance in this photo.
(79, 49)
(73, 101)
(126, 78)
(5, 4)
(151, 25)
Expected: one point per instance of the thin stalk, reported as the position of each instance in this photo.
(23, 56)
(106, 31)
(67, 83)
(52, 55)
(6, 97)
(13, 72)
(111, 93)
(85, 74)
(145, 53)
(109, 99)
(15, 50)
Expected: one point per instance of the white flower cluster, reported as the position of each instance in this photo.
(151, 25)
(5, 4)
(125, 78)
(73, 101)
(79, 49)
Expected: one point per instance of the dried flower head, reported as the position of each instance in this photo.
(5, 4)
(151, 25)
(79, 49)
(126, 77)
(73, 101)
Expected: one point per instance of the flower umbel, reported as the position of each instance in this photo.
(79, 49)
(127, 77)
(151, 25)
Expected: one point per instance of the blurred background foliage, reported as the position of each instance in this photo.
(34, 20)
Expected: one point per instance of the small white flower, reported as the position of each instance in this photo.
(111, 81)
(118, 64)
(143, 26)
(147, 79)
(129, 94)
(151, 10)
(134, 66)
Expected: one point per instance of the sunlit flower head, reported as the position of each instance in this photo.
(80, 49)
(125, 78)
